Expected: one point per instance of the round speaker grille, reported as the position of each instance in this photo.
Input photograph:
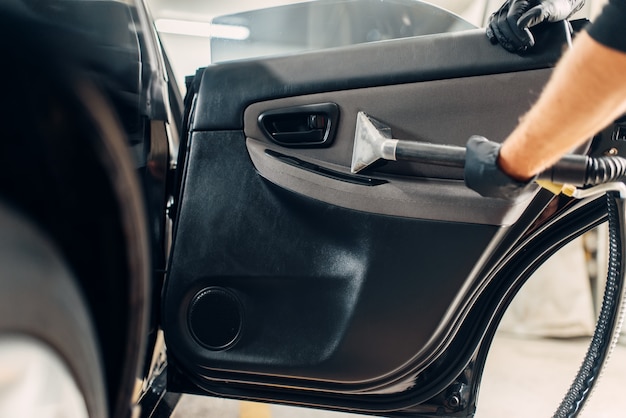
(215, 318)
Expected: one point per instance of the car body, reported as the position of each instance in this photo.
(224, 227)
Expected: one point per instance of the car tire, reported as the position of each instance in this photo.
(52, 365)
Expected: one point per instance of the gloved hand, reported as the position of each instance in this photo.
(483, 175)
(510, 25)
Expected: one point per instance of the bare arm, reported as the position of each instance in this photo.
(586, 92)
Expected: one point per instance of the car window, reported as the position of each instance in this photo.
(324, 24)
(191, 41)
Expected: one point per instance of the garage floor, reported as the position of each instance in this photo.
(524, 378)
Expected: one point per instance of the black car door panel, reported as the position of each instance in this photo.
(289, 273)
(304, 264)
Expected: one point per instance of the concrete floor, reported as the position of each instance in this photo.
(528, 378)
(523, 378)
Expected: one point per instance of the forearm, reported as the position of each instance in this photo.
(593, 78)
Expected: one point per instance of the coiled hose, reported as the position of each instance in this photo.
(602, 170)
(611, 316)
(581, 170)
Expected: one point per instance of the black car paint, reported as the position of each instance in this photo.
(80, 85)
(449, 383)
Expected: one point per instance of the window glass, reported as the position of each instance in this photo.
(188, 35)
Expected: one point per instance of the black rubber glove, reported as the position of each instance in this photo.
(510, 25)
(483, 175)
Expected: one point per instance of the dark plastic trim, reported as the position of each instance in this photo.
(304, 135)
(322, 171)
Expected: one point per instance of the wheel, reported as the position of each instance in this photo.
(49, 360)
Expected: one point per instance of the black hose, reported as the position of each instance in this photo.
(602, 170)
(611, 313)
(581, 170)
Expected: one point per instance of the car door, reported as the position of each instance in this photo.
(293, 280)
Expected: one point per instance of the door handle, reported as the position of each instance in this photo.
(301, 126)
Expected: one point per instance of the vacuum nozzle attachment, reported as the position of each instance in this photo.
(373, 141)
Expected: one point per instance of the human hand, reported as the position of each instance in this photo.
(483, 175)
(510, 24)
